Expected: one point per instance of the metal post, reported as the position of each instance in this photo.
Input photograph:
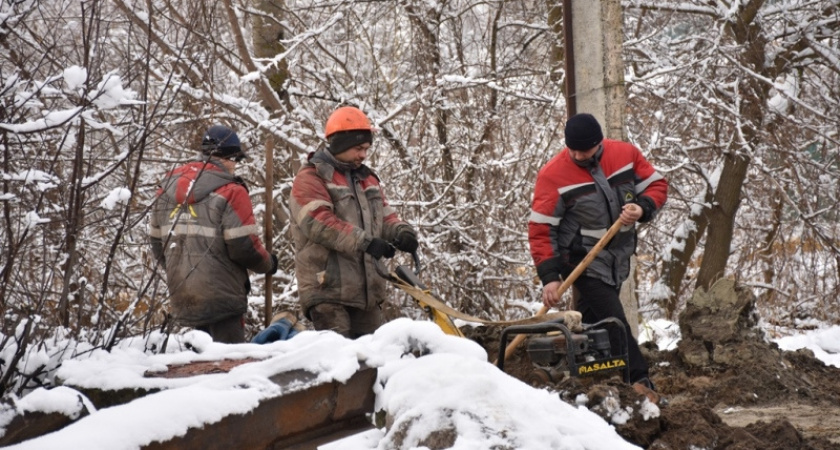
(268, 222)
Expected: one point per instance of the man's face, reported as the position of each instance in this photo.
(228, 164)
(583, 155)
(355, 155)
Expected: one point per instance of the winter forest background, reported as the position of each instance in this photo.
(734, 101)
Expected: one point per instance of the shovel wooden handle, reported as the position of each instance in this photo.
(570, 279)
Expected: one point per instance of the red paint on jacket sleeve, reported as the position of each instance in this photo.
(546, 196)
(240, 202)
(657, 190)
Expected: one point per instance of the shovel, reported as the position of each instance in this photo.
(570, 279)
(407, 280)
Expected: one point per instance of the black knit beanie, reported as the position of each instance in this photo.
(583, 132)
(345, 140)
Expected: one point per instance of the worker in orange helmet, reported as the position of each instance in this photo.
(341, 224)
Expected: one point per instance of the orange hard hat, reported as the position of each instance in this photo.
(347, 118)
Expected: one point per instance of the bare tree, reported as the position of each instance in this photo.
(739, 88)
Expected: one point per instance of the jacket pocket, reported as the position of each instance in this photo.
(347, 207)
(376, 211)
(332, 272)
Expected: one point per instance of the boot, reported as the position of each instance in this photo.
(296, 325)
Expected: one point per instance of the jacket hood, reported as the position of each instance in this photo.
(193, 182)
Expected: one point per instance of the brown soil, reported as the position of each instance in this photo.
(726, 386)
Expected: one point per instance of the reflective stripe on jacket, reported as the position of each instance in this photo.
(573, 207)
(335, 215)
(202, 229)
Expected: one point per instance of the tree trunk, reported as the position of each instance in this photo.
(428, 61)
(557, 54)
(73, 223)
(750, 102)
(676, 266)
(721, 219)
(267, 45)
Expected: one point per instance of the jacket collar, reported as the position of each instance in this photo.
(326, 164)
(593, 161)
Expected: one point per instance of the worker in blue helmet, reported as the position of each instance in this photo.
(222, 142)
(203, 232)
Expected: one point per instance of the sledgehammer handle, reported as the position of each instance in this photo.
(570, 279)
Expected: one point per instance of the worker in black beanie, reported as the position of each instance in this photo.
(583, 132)
(579, 194)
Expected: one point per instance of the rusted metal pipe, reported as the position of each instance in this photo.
(568, 45)
(268, 221)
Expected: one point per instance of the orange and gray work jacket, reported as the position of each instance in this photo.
(202, 229)
(337, 210)
(574, 205)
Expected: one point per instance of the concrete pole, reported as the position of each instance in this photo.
(597, 72)
(598, 63)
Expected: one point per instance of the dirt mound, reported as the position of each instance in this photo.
(726, 385)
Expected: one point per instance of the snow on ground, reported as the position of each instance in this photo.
(467, 390)
(664, 333)
(824, 342)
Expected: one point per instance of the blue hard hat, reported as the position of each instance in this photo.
(222, 141)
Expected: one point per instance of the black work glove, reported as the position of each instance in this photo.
(406, 241)
(379, 248)
(273, 265)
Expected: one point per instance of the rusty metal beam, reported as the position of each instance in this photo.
(294, 420)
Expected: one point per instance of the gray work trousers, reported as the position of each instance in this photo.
(344, 320)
